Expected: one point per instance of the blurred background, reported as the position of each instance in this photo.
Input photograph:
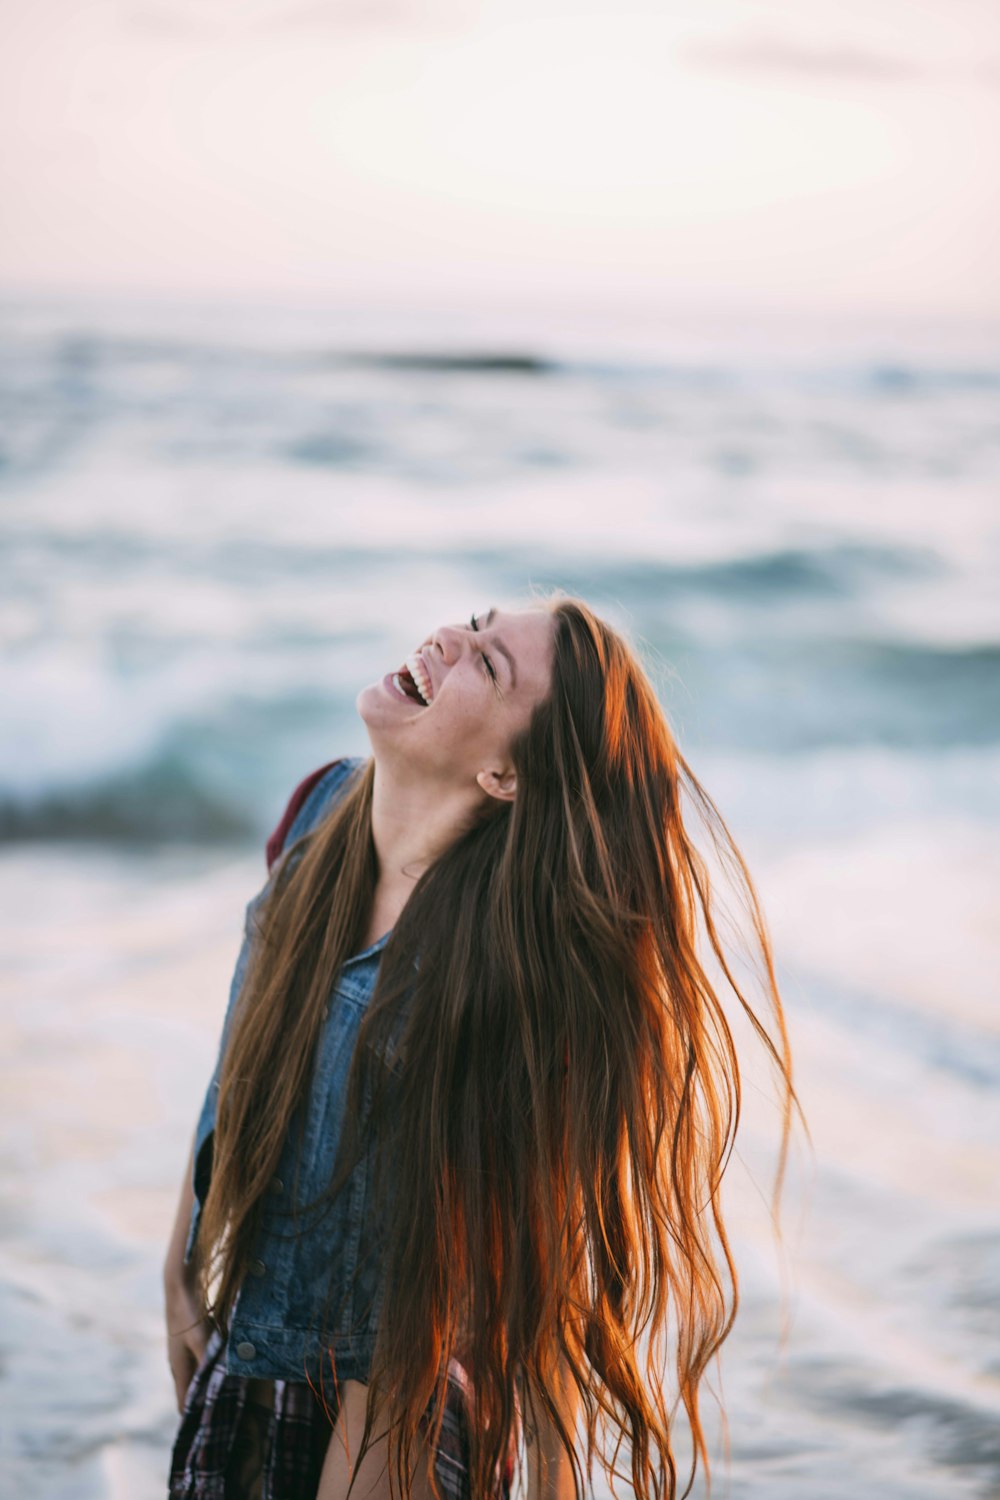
(324, 322)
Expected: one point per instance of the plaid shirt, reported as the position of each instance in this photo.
(281, 1448)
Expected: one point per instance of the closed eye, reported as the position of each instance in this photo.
(489, 665)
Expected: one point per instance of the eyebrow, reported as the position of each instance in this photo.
(501, 647)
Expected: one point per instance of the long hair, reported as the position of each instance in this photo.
(546, 1074)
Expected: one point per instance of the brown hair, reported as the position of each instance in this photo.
(552, 1087)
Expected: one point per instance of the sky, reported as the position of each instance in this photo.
(715, 153)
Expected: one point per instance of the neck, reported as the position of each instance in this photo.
(413, 821)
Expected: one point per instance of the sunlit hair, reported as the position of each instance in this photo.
(546, 1074)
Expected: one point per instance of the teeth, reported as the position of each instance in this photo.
(420, 676)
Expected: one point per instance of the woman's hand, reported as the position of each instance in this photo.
(187, 1336)
(187, 1328)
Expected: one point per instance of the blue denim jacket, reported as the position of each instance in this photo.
(275, 1327)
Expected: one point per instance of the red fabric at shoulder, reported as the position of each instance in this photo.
(276, 842)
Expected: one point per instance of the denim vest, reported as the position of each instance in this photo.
(275, 1328)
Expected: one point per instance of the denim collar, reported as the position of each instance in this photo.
(376, 947)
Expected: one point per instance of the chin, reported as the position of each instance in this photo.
(368, 702)
(379, 713)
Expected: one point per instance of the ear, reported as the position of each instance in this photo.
(501, 784)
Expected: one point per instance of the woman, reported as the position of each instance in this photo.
(457, 1173)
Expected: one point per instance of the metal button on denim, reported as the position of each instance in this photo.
(245, 1351)
(277, 1186)
(258, 1268)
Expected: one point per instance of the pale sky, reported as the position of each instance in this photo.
(741, 153)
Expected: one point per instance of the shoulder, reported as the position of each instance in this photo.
(313, 796)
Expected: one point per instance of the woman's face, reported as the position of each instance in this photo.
(483, 679)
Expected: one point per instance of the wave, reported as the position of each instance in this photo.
(839, 570)
(81, 352)
(189, 777)
(960, 1437)
(940, 1043)
(452, 362)
(292, 403)
(900, 379)
(788, 694)
(153, 804)
(771, 576)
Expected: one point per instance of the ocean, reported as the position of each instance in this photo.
(219, 522)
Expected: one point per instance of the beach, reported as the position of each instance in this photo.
(219, 525)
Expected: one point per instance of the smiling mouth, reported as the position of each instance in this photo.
(406, 683)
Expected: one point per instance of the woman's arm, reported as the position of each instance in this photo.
(372, 1482)
(550, 1470)
(187, 1330)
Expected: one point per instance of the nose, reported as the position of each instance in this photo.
(450, 641)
